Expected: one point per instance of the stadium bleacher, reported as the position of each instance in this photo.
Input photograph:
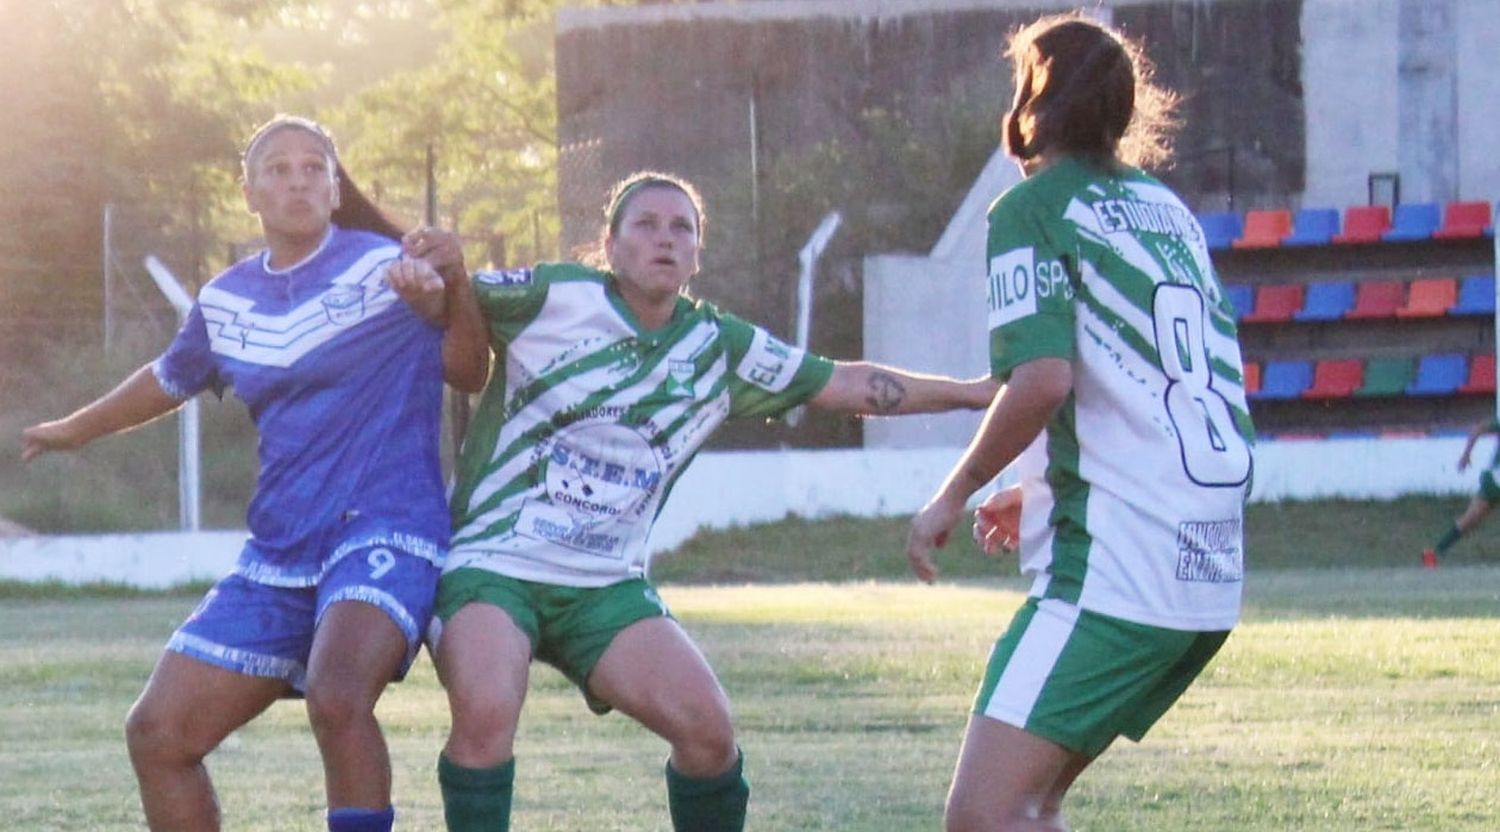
(1413, 221)
(1328, 300)
(1313, 227)
(1375, 329)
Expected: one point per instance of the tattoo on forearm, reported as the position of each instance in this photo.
(886, 392)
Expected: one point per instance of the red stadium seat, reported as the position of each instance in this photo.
(1364, 224)
(1264, 229)
(1275, 303)
(1377, 299)
(1464, 219)
(1252, 377)
(1336, 379)
(1481, 375)
(1429, 298)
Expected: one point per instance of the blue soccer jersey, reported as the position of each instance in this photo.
(344, 383)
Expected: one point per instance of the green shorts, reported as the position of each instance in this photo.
(1489, 490)
(1081, 679)
(569, 627)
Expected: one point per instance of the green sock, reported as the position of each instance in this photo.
(1448, 540)
(709, 804)
(476, 799)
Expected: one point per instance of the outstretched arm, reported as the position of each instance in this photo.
(1035, 391)
(876, 390)
(138, 400)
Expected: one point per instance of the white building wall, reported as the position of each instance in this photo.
(1478, 25)
(928, 313)
(1349, 68)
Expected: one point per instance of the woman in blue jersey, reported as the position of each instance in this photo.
(1124, 413)
(339, 347)
(608, 381)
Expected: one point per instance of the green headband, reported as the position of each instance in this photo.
(648, 182)
(624, 196)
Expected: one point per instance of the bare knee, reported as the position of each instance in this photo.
(335, 710)
(484, 729)
(702, 738)
(962, 816)
(154, 737)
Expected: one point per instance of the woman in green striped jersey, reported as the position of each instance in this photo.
(608, 381)
(1124, 413)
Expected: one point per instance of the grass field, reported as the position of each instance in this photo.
(1350, 699)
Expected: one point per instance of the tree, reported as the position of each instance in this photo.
(138, 104)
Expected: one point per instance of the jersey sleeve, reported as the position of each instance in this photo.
(188, 367)
(509, 298)
(766, 376)
(1030, 289)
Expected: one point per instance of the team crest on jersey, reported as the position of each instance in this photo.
(680, 378)
(345, 304)
(505, 277)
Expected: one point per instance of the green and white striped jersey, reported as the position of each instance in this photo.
(590, 419)
(1134, 492)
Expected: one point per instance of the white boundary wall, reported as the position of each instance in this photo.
(722, 490)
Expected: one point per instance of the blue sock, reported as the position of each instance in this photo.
(361, 820)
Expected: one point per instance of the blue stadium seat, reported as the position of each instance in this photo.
(1439, 375)
(1243, 298)
(1221, 229)
(1285, 379)
(1414, 221)
(1313, 227)
(1327, 301)
(1476, 296)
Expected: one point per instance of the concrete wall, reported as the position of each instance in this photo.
(769, 486)
(1405, 86)
(927, 313)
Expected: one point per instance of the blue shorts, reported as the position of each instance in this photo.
(262, 630)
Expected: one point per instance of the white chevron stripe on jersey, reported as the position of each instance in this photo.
(565, 396)
(1127, 246)
(236, 331)
(1109, 297)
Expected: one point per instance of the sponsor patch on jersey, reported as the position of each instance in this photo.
(1012, 292)
(769, 363)
(1208, 551)
(506, 277)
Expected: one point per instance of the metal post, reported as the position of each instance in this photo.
(189, 488)
(109, 281)
(807, 258)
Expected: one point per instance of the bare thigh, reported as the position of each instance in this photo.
(188, 707)
(654, 673)
(1009, 779)
(484, 662)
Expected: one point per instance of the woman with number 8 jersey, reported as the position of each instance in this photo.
(1124, 414)
(338, 346)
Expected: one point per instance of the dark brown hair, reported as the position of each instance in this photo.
(1086, 90)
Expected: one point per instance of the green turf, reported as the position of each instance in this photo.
(1291, 535)
(1350, 699)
